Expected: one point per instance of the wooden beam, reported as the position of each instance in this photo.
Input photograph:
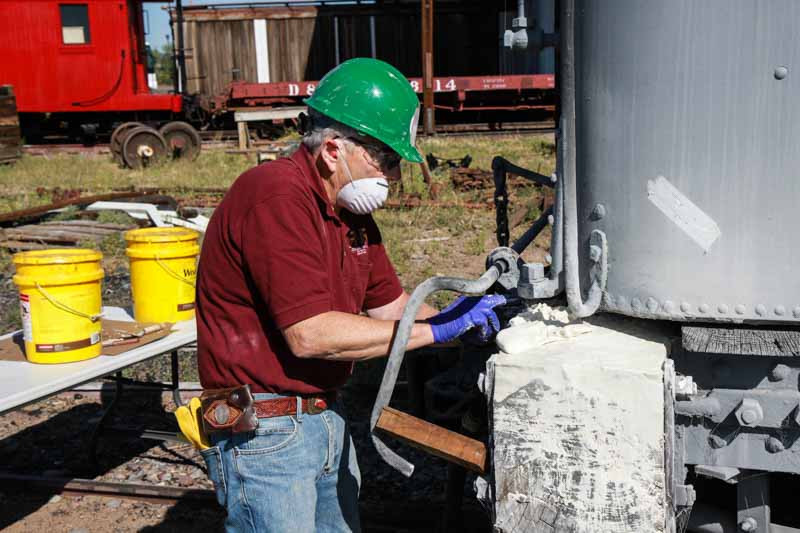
(428, 121)
(244, 135)
(733, 340)
(449, 445)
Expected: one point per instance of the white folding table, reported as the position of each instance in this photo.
(22, 383)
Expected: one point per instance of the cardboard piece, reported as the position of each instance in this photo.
(13, 348)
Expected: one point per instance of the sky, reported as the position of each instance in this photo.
(158, 17)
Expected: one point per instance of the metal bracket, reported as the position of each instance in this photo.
(728, 474)
(143, 211)
(510, 278)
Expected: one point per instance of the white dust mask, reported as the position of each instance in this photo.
(362, 196)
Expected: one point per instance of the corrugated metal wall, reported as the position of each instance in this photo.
(302, 45)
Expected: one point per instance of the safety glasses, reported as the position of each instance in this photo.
(386, 158)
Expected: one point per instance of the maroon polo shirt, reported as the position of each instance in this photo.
(276, 253)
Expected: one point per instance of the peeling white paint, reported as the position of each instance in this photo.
(682, 212)
(577, 429)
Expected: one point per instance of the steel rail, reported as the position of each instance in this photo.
(108, 489)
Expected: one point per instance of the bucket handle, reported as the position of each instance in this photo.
(173, 273)
(65, 307)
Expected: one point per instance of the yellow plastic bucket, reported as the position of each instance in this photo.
(60, 303)
(163, 272)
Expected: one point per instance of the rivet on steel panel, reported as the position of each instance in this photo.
(717, 442)
(723, 309)
(636, 303)
(761, 310)
(704, 308)
(669, 306)
(740, 309)
(779, 372)
(781, 72)
(780, 310)
(598, 212)
(774, 445)
(686, 307)
(652, 304)
(796, 312)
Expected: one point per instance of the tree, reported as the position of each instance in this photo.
(165, 69)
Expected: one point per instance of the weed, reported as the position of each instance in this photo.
(68, 213)
(115, 217)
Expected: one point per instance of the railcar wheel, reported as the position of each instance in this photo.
(183, 141)
(118, 137)
(143, 147)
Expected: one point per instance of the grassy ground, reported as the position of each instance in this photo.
(421, 242)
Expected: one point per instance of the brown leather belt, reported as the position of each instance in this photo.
(273, 407)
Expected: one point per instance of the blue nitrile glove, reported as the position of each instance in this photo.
(465, 313)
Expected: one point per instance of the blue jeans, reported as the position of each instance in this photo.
(293, 474)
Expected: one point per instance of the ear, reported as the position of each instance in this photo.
(330, 153)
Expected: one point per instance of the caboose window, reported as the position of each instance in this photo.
(75, 23)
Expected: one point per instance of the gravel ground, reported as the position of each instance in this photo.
(51, 438)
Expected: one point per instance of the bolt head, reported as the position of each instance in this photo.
(748, 524)
(533, 271)
(749, 412)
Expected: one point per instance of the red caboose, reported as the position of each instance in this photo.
(79, 67)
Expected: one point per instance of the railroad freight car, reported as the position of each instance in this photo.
(79, 68)
(268, 55)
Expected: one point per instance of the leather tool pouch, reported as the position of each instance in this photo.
(228, 409)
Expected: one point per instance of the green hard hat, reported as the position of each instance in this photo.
(373, 98)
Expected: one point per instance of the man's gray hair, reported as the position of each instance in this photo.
(323, 127)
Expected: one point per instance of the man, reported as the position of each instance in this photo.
(291, 259)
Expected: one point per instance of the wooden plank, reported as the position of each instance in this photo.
(24, 246)
(53, 236)
(10, 138)
(741, 341)
(448, 445)
(91, 224)
(78, 231)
